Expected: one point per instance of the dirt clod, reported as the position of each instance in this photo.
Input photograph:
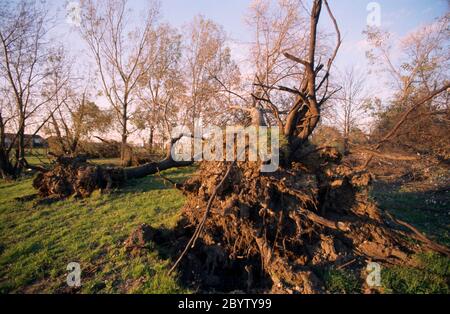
(139, 238)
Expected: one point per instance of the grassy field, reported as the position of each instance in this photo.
(429, 210)
(38, 241)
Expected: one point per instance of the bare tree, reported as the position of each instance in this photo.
(23, 67)
(208, 68)
(57, 84)
(120, 52)
(162, 88)
(76, 118)
(350, 104)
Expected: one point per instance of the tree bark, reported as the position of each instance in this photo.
(153, 167)
(150, 139)
(125, 157)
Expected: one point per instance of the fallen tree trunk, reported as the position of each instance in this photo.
(76, 176)
(385, 155)
(153, 167)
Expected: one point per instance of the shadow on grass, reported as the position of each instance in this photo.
(154, 182)
(428, 210)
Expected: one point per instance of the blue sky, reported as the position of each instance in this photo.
(398, 16)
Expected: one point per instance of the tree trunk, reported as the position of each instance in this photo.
(5, 165)
(20, 156)
(150, 139)
(74, 146)
(153, 167)
(346, 139)
(125, 155)
(6, 168)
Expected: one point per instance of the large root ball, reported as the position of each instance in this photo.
(75, 176)
(277, 231)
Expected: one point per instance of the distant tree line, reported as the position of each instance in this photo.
(150, 76)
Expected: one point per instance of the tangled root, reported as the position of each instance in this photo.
(274, 231)
(75, 176)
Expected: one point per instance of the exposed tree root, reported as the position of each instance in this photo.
(273, 232)
(75, 176)
(200, 226)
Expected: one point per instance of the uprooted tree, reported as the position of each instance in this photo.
(252, 231)
(75, 176)
(242, 229)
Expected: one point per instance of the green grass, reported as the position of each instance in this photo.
(37, 156)
(426, 210)
(429, 212)
(38, 241)
(431, 276)
(341, 281)
(106, 161)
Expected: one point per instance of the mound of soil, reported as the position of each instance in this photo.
(276, 232)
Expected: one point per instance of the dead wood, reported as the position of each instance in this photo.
(393, 132)
(385, 155)
(421, 237)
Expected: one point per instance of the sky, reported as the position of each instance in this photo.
(399, 17)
